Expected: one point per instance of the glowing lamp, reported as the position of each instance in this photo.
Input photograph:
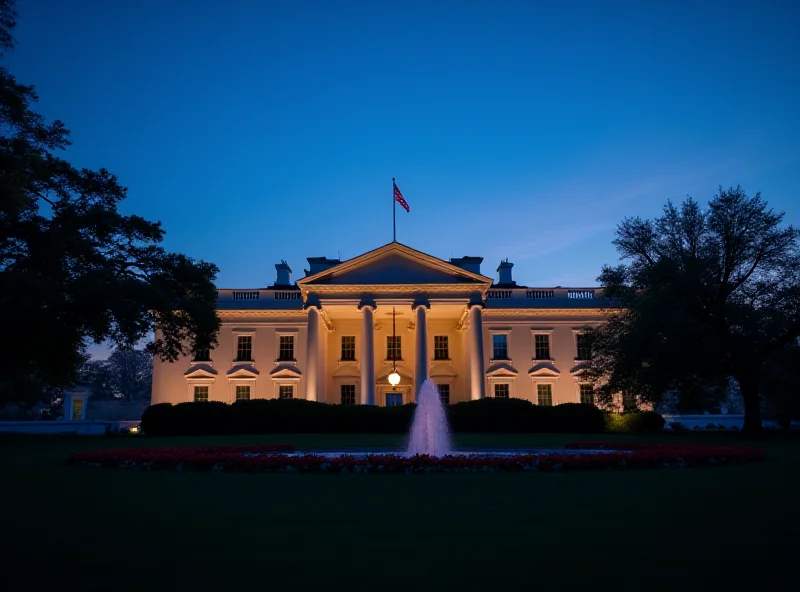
(394, 378)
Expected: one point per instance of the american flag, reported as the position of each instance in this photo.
(398, 197)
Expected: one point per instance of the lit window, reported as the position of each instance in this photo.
(542, 346)
(501, 391)
(348, 394)
(499, 347)
(286, 391)
(582, 347)
(348, 347)
(77, 409)
(394, 351)
(243, 392)
(244, 348)
(444, 394)
(200, 394)
(286, 348)
(587, 394)
(544, 393)
(441, 347)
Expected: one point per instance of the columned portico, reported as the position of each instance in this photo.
(476, 360)
(420, 347)
(367, 354)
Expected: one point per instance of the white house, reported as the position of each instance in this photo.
(338, 333)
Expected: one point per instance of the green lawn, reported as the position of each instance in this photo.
(719, 528)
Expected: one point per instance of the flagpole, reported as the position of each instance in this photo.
(394, 214)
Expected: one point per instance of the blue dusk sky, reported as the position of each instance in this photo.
(265, 130)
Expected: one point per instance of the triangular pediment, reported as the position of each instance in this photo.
(544, 369)
(395, 264)
(200, 371)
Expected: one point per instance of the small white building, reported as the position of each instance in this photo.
(336, 334)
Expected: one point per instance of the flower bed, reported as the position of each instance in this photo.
(270, 459)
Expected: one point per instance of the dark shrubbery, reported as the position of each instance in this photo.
(636, 422)
(521, 416)
(275, 416)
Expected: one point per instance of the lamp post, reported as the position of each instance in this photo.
(394, 377)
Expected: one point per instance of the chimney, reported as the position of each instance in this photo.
(504, 269)
(472, 264)
(318, 264)
(284, 277)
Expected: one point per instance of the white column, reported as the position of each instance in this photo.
(477, 378)
(420, 348)
(367, 355)
(312, 355)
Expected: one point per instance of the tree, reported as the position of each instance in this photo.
(97, 374)
(72, 268)
(702, 295)
(131, 373)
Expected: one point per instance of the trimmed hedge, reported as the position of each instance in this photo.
(635, 422)
(287, 416)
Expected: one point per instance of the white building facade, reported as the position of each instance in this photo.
(337, 334)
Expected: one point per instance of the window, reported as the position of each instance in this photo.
(394, 399)
(200, 394)
(582, 347)
(544, 393)
(501, 390)
(500, 347)
(587, 394)
(394, 351)
(286, 348)
(348, 394)
(348, 348)
(202, 355)
(628, 401)
(286, 391)
(244, 348)
(441, 347)
(444, 394)
(541, 344)
(77, 409)
(242, 392)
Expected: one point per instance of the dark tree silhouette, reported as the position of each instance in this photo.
(72, 268)
(704, 294)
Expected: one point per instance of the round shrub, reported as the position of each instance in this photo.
(159, 420)
(578, 418)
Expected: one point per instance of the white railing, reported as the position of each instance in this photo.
(540, 294)
(246, 295)
(287, 295)
(580, 294)
(499, 294)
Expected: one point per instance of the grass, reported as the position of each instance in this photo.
(80, 528)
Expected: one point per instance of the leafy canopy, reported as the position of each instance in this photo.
(72, 267)
(703, 294)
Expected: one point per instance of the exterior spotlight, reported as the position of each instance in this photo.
(394, 378)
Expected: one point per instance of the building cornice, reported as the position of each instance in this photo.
(377, 289)
(263, 314)
(547, 312)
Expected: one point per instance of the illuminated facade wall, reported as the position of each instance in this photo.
(355, 300)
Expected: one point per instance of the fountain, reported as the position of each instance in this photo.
(429, 432)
